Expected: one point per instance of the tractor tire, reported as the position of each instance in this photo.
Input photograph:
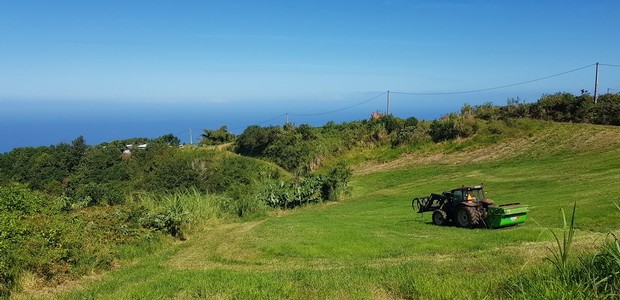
(467, 217)
(440, 217)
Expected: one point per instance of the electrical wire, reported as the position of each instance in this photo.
(315, 114)
(259, 123)
(184, 131)
(338, 110)
(263, 122)
(493, 88)
(422, 94)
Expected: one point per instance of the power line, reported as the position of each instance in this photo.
(494, 88)
(184, 131)
(260, 123)
(341, 109)
(313, 114)
(316, 114)
(422, 94)
(263, 122)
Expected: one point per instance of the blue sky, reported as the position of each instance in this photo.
(66, 57)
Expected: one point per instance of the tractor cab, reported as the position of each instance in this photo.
(468, 194)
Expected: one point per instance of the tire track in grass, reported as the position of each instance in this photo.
(226, 247)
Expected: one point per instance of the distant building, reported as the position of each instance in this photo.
(375, 115)
(127, 150)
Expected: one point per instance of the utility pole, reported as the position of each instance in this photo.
(191, 140)
(286, 119)
(596, 84)
(388, 103)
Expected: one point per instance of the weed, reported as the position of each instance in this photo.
(561, 253)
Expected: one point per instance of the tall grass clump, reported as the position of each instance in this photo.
(587, 276)
(179, 212)
(559, 257)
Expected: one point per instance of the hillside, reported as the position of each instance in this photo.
(540, 140)
(373, 245)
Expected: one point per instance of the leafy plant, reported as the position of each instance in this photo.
(562, 250)
(216, 137)
(171, 220)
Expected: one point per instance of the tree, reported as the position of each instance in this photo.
(607, 110)
(453, 126)
(168, 139)
(217, 137)
(255, 139)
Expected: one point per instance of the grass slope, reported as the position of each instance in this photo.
(374, 246)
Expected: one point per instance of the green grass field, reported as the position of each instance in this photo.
(372, 245)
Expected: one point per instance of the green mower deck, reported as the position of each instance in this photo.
(507, 215)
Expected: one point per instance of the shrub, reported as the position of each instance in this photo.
(487, 111)
(255, 139)
(168, 139)
(289, 195)
(336, 181)
(92, 194)
(171, 219)
(12, 254)
(453, 126)
(243, 206)
(312, 188)
(607, 110)
(216, 137)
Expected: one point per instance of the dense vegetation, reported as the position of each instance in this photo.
(73, 209)
(303, 148)
(50, 195)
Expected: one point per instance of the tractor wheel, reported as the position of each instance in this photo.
(467, 217)
(440, 217)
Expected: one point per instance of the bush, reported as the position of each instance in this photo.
(313, 188)
(33, 237)
(487, 111)
(216, 137)
(607, 110)
(171, 219)
(289, 195)
(336, 181)
(410, 133)
(451, 127)
(12, 254)
(243, 206)
(92, 194)
(255, 139)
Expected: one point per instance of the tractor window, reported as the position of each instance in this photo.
(458, 196)
(478, 195)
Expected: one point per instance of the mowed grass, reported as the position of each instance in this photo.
(373, 245)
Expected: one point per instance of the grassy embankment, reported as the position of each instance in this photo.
(372, 245)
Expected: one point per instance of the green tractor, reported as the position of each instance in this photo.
(468, 207)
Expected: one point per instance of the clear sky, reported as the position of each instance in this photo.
(68, 55)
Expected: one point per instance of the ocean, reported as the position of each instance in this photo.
(42, 123)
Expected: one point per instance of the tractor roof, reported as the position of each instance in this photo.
(468, 188)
